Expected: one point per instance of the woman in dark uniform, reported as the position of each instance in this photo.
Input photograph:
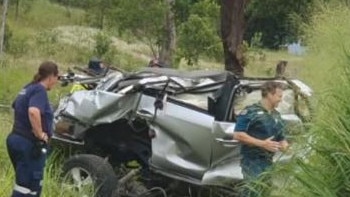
(31, 131)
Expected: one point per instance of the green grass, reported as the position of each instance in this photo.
(326, 171)
(263, 63)
(6, 173)
(43, 15)
(52, 186)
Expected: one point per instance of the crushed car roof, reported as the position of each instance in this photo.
(216, 75)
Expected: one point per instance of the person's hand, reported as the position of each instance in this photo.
(284, 145)
(270, 145)
(44, 137)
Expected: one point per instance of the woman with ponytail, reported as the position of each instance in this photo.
(32, 129)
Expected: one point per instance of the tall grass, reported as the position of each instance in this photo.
(52, 180)
(42, 15)
(326, 170)
(17, 69)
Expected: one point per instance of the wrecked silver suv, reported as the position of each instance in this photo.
(164, 131)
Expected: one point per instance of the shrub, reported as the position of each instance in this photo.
(102, 45)
(19, 46)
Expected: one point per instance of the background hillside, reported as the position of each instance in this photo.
(42, 29)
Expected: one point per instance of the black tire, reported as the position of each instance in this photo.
(100, 171)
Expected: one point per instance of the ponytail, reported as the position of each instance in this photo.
(37, 78)
(46, 69)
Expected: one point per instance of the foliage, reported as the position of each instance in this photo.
(45, 40)
(7, 36)
(325, 172)
(51, 184)
(277, 20)
(256, 40)
(144, 19)
(43, 15)
(182, 10)
(23, 6)
(13, 77)
(198, 35)
(103, 42)
(18, 45)
(98, 12)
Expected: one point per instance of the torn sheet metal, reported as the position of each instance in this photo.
(97, 107)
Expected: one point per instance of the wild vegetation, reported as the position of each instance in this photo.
(72, 33)
(325, 172)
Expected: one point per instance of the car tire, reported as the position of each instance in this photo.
(84, 168)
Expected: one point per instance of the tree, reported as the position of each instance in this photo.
(143, 19)
(198, 34)
(169, 42)
(21, 6)
(232, 31)
(97, 12)
(279, 25)
(2, 30)
(17, 8)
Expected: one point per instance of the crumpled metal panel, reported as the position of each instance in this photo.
(173, 154)
(221, 149)
(227, 171)
(109, 81)
(305, 89)
(97, 107)
(225, 165)
(181, 133)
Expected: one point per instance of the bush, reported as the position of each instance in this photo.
(103, 42)
(198, 35)
(198, 38)
(45, 41)
(19, 46)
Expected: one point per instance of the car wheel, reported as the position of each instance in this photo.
(89, 175)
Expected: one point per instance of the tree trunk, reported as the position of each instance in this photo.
(281, 69)
(232, 30)
(17, 10)
(67, 5)
(169, 44)
(2, 30)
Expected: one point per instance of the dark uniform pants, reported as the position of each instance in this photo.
(28, 168)
(253, 173)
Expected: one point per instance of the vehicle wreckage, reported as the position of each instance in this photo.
(175, 125)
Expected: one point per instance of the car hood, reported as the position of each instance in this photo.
(96, 107)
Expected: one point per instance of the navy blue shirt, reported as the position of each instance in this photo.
(257, 122)
(32, 95)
